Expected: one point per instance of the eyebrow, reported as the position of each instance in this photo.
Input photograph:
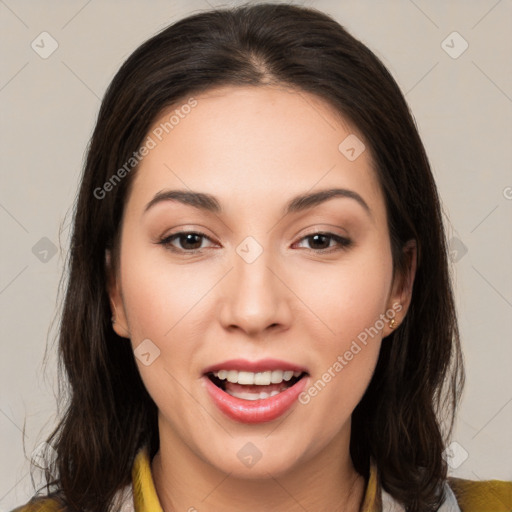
(209, 203)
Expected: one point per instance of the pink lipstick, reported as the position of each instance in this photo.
(255, 392)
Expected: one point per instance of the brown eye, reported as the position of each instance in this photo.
(321, 242)
(188, 241)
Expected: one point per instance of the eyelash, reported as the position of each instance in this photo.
(343, 243)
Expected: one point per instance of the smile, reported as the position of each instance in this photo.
(255, 396)
(254, 386)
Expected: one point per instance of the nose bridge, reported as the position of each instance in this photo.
(255, 298)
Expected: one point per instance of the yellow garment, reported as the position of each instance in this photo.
(472, 496)
(485, 496)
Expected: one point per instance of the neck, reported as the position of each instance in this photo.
(326, 481)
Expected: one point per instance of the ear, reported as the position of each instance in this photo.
(401, 290)
(119, 323)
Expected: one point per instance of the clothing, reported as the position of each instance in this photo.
(462, 495)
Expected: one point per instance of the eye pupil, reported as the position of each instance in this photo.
(189, 239)
(317, 236)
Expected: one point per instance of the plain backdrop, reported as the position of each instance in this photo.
(461, 99)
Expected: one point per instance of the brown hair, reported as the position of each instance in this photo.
(419, 375)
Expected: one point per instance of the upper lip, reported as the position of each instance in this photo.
(261, 365)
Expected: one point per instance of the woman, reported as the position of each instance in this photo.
(259, 314)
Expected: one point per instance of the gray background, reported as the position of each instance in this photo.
(463, 109)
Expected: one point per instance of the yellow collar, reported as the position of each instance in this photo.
(145, 498)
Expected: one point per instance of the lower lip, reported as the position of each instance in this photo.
(255, 411)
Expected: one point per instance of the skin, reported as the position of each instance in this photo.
(254, 148)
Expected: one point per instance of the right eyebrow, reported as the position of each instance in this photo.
(198, 200)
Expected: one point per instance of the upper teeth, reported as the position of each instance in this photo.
(259, 379)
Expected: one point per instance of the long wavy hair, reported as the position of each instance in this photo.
(406, 415)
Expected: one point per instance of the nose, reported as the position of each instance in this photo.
(256, 298)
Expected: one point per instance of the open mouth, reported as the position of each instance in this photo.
(255, 385)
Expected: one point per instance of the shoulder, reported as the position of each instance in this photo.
(41, 505)
(475, 496)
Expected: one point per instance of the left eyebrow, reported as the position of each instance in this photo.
(207, 202)
(306, 201)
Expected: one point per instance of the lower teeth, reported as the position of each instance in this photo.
(252, 396)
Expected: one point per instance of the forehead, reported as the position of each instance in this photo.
(255, 145)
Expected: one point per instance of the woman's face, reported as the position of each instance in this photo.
(255, 338)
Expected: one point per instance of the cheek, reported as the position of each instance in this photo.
(348, 296)
(350, 301)
(162, 302)
(159, 296)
